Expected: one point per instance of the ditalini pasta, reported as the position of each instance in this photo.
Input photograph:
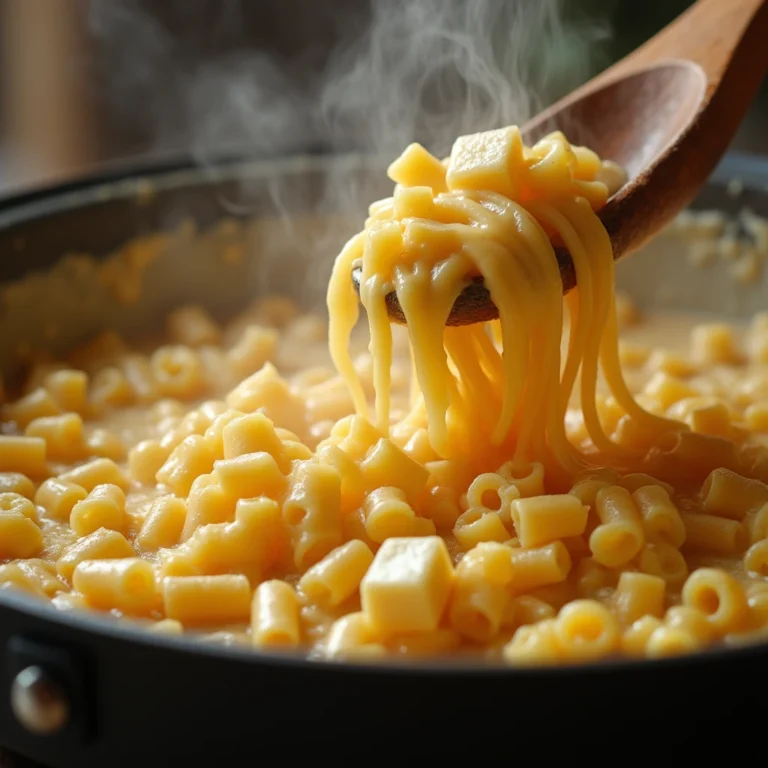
(533, 490)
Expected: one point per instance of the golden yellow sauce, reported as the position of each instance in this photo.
(530, 491)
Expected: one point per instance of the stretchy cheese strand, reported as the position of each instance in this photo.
(496, 391)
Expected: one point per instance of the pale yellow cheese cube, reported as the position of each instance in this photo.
(414, 202)
(407, 586)
(384, 246)
(487, 161)
(418, 168)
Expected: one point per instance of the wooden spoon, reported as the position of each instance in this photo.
(666, 113)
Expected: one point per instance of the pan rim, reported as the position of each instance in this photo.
(105, 626)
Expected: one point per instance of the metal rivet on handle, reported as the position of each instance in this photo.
(38, 703)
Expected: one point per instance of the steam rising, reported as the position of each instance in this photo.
(410, 70)
(425, 70)
(431, 70)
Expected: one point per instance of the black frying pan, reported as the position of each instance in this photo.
(140, 700)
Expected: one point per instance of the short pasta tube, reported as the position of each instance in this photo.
(689, 456)
(96, 472)
(528, 478)
(127, 585)
(352, 636)
(593, 579)
(163, 524)
(145, 459)
(63, 435)
(758, 524)
(719, 596)
(661, 520)
(526, 609)
(313, 509)
(664, 560)
(638, 595)
(691, 620)
(727, 494)
(338, 575)
(539, 567)
(207, 503)
(636, 480)
(541, 520)
(533, 645)
(15, 482)
(104, 507)
(34, 405)
(178, 372)
(671, 641)
(192, 457)
(275, 616)
(713, 534)
(20, 536)
(255, 347)
(251, 475)
(478, 525)
(489, 561)
(477, 607)
(69, 389)
(485, 491)
(756, 559)
(102, 442)
(620, 536)
(192, 326)
(137, 369)
(26, 455)
(44, 574)
(219, 599)
(17, 504)
(103, 544)
(387, 513)
(586, 629)
(13, 577)
(635, 637)
(586, 490)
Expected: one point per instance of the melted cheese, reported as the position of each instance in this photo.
(497, 390)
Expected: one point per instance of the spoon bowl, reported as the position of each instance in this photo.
(665, 113)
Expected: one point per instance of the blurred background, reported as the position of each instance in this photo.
(87, 84)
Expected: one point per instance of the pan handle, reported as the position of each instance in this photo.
(50, 694)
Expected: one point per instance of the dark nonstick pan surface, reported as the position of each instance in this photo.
(142, 700)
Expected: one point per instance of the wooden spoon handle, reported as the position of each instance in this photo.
(724, 41)
(708, 34)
